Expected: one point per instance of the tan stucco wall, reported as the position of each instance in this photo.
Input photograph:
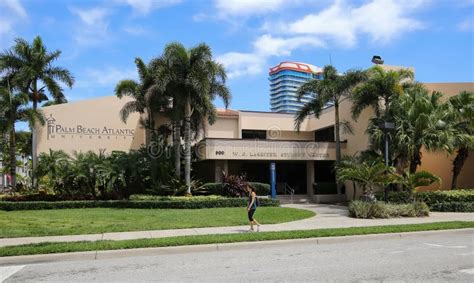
(95, 114)
(227, 128)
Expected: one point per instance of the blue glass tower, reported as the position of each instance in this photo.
(285, 79)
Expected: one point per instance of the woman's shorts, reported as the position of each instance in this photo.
(250, 213)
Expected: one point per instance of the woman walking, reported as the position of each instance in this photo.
(252, 207)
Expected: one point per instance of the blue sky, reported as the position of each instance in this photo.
(100, 39)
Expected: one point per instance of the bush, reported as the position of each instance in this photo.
(361, 209)
(172, 203)
(396, 197)
(453, 206)
(449, 200)
(261, 189)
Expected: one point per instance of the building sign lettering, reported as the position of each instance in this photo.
(81, 130)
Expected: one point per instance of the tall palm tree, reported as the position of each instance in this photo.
(463, 111)
(421, 121)
(13, 107)
(33, 66)
(379, 91)
(332, 89)
(146, 98)
(195, 80)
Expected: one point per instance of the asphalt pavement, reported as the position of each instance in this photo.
(445, 256)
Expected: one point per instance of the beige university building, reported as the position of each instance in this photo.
(240, 142)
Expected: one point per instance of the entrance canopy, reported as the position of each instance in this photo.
(239, 149)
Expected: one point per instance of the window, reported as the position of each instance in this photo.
(324, 135)
(254, 134)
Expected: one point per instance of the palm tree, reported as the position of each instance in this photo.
(146, 98)
(369, 175)
(13, 106)
(421, 121)
(32, 65)
(410, 181)
(379, 91)
(195, 80)
(463, 111)
(332, 89)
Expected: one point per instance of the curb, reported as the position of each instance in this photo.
(110, 254)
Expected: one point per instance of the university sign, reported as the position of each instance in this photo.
(222, 149)
(55, 129)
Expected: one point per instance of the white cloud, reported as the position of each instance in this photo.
(241, 64)
(94, 26)
(109, 76)
(267, 45)
(466, 25)
(381, 20)
(144, 7)
(249, 7)
(94, 16)
(135, 30)
(16, 7)
(12, 13)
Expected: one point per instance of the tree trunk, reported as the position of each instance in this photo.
(34, 157)
(177, 147)
(13, 153)
(415, 160)
(458, 163)
(187, 145)
(338, 143)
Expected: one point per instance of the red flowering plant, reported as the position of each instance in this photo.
(235, 185)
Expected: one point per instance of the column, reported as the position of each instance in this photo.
(309, 177)
(220, 166)
(273, 179)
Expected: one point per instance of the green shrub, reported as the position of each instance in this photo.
(262, 189)
(396, 197)
(448, 200)
(453, 206)
(432, 197)
(173, 202)
(361, 209)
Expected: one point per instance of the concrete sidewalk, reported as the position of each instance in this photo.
(327, 216)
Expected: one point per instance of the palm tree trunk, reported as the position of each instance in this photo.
(34, 157)
(458, 163)
(177, 146)
(187, 145)
(13, 153)
(338, 143)
(415, 160)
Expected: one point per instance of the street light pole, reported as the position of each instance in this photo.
(386, 127)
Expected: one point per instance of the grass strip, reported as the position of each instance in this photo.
(56, 222)
(48, 248)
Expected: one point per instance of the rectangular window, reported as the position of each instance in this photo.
(324, 135)
(254, 134)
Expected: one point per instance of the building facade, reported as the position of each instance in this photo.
(263, 145)
(285, 79)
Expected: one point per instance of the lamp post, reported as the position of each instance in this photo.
(386, 127)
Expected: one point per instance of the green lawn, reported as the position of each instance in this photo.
(28, 223)
(46, 248)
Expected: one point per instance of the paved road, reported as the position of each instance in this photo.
(446, 256)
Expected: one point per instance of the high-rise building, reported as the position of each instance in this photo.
(285, 79)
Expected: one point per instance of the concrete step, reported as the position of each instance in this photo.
(301, 199)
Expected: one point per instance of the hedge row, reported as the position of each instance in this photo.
(452, 200)
(363, 209)
(165, 204)
(261, 189)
